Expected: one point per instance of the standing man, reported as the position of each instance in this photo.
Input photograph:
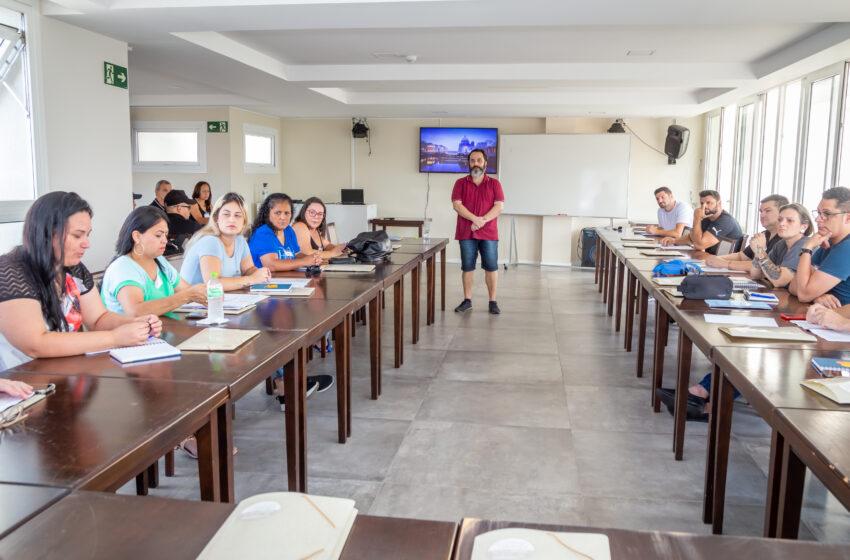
(769, 218)
(673, 217)
(478, 200)
(823, 273)
(711, 222)
(163, 187)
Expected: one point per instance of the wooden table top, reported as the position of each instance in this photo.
(98, 432)
(237, 370)
(95, 525)
(22, 502)
(644, 544)
(770, 378)
(820, 440)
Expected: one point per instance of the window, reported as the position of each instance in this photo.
(742, 168)
(844, 151)
(769, 133)
(17, 146)
(821, 136)
(712, 151)
(786, 149)
(260, 149)
(727, 144)
(175, 147)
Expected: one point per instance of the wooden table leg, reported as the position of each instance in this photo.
(443, 279)
(142, 483)
(661, 327)
(630, 310)
(612, 281)
(644, 311)
(620, 268)
(414, 302)
(725, 402)
(398, 321)
(342, 334)
(596, 266)
(169, 463)
(208, 459)
(790, 494)
(375, 345)
(431, 291)
(711, 447)
(683, 375)
(774, 483)
(153, 474)
(603, 284)
(227, 488)
(294, 385)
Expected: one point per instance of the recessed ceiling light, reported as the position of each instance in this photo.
(640, 52)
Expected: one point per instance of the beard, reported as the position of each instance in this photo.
(476, 172)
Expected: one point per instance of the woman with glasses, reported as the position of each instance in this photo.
(778, 264)
(311, 229)
(220, 247)
(47, 295)
(140, 280)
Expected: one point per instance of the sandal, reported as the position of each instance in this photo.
(190, 446)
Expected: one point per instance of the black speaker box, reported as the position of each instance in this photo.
(588, 247)
(677, 141)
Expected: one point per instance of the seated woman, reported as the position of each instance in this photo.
(273, 245)
(202, 194)
(220, 247)
(140, 280)
(777, 266)
(47, 295)
(273, 242)
(311, 229)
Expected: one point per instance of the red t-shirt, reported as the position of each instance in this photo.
(478, 199)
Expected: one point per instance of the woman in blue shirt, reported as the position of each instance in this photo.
(220, 247)
(273, 242)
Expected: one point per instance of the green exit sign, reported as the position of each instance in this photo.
(114, 75)
(216, 126)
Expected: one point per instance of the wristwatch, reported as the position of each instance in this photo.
(806, 250)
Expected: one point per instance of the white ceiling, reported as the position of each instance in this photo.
(473, 57)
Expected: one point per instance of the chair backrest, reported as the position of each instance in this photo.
(332, 237)
(727, 246)
(742, 243)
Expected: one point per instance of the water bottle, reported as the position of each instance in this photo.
(215, 299)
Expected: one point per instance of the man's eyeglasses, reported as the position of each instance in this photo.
(826, 215)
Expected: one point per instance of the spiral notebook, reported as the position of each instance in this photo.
(153, 349)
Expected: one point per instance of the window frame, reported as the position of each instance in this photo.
(843, 131)
(12, 211)
(718, 114)
(264, 131)
(199, 127)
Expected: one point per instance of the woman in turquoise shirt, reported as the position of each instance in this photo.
(140, 280)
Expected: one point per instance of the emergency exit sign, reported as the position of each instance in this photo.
(216, 126)
(114, 75)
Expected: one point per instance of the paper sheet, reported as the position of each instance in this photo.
(716, 269)
(7, 401)
(743, 320)
(519, 543)
(296, 282)
(824, 333)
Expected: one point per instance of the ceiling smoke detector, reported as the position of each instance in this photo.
(640, 52)
(410, 58)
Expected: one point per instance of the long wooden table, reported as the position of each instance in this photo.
(753, 367)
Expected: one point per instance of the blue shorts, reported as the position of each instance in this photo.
(469, 249)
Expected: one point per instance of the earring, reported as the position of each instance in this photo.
(139, 253)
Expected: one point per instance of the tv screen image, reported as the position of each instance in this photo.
(445, 150)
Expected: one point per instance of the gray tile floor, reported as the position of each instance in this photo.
(534, 415)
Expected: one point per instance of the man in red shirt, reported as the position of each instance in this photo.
(478, 200)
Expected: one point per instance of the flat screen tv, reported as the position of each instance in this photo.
(445, 150)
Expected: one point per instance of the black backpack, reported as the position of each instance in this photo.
(371, 246)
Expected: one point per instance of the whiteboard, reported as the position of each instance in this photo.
(575, 174)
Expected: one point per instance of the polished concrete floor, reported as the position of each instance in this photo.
(535, 415)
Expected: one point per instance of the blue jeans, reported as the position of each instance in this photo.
(469, 249)
(706, 384)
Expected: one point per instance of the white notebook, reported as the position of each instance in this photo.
(742, 320)
(153, 349)
(534, 544)
(348, 268)
(284, 525)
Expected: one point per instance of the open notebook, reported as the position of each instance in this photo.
(153, 349)
(787, 334)
(215, 339)
(284, 525)
(835, 388)
(233, 304)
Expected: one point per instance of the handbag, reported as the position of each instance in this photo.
(706, 287)
(371, 246)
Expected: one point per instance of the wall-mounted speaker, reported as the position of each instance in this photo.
(677, 142)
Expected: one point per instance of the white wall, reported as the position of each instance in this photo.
(88, 128)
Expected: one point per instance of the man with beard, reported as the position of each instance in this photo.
(478, 200)
(673, 216)
(711, 222)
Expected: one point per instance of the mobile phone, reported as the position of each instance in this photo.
(789, 317)
(196, 315)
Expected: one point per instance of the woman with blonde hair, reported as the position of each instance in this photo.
(220, 247)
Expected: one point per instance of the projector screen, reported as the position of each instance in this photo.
(574, 174)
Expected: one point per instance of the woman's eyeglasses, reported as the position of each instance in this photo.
(315, 214)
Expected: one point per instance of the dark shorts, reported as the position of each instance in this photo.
(469, 249)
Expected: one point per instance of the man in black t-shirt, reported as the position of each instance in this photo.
(180, 227)
(769, 218)
(711, 223)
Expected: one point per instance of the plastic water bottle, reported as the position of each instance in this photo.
(215, 299)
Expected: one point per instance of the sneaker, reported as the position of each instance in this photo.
(494, 308)
(464, 306)
(322, 383)
(312, 385)
(695, 410)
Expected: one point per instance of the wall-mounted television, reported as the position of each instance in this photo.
(445, 150)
